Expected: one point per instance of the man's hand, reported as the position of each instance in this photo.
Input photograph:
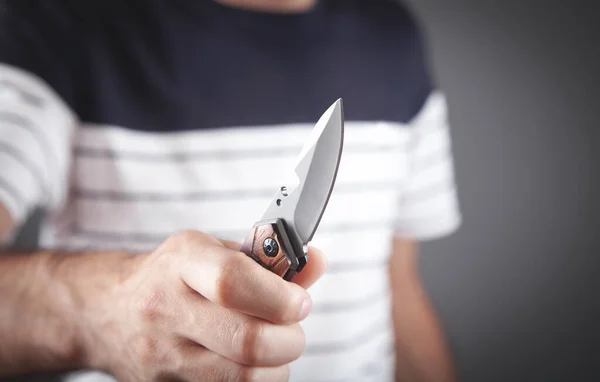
(198, 309)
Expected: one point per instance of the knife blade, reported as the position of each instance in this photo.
(278, 241)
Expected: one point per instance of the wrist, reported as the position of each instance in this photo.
(88, 285)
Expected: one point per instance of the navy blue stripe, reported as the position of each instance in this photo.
(154, 67)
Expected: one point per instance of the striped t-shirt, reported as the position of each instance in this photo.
(127, 121)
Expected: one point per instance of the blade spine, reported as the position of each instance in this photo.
(335, 174)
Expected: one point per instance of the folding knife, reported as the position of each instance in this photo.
(279, 240)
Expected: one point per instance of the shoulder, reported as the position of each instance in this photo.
(44, 40)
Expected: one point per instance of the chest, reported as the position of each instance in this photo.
(175, 75)
(137, 187)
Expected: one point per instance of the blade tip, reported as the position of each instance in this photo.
(338, 105)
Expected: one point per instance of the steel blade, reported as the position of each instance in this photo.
(301, 203)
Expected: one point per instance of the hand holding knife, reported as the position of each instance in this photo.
(195, 299)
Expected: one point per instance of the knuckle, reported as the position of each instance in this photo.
(229, 276)
(151, 306)
(181, 239)
(147, 350)
(248, 342)
(181, 246)
(187, 236)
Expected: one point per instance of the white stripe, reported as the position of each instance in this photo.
(357, 251)
(350, 286)
(48, 124)
(22, 180)
(371, 246)
(442, 173)
(355, 309)
(221, 214)
(214, 174)
(50, 239)
(51, 126)
(234, 138)
(342, 365)
(430, 141)
(428, 205)
(430, 228)
(439, 203)
(24, 142)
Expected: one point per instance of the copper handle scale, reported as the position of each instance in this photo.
(269, 245)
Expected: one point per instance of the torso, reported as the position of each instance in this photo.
(190, 116)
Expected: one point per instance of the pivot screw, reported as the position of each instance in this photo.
(270, 247)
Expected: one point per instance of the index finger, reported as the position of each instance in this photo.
(233, 280)
(314, 269)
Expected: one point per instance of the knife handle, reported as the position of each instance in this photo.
(269, 245)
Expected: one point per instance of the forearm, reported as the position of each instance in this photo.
(422, 354)
(44, 300)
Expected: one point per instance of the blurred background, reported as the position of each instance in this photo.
(517, 286)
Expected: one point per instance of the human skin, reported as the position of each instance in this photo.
(194, 309)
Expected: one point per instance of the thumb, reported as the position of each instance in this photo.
(314, 269)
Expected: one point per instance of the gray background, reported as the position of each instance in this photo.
(516, 287)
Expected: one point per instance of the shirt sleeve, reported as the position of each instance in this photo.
(36, 122)
(429, 206)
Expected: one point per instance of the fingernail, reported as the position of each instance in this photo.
(305, 309)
